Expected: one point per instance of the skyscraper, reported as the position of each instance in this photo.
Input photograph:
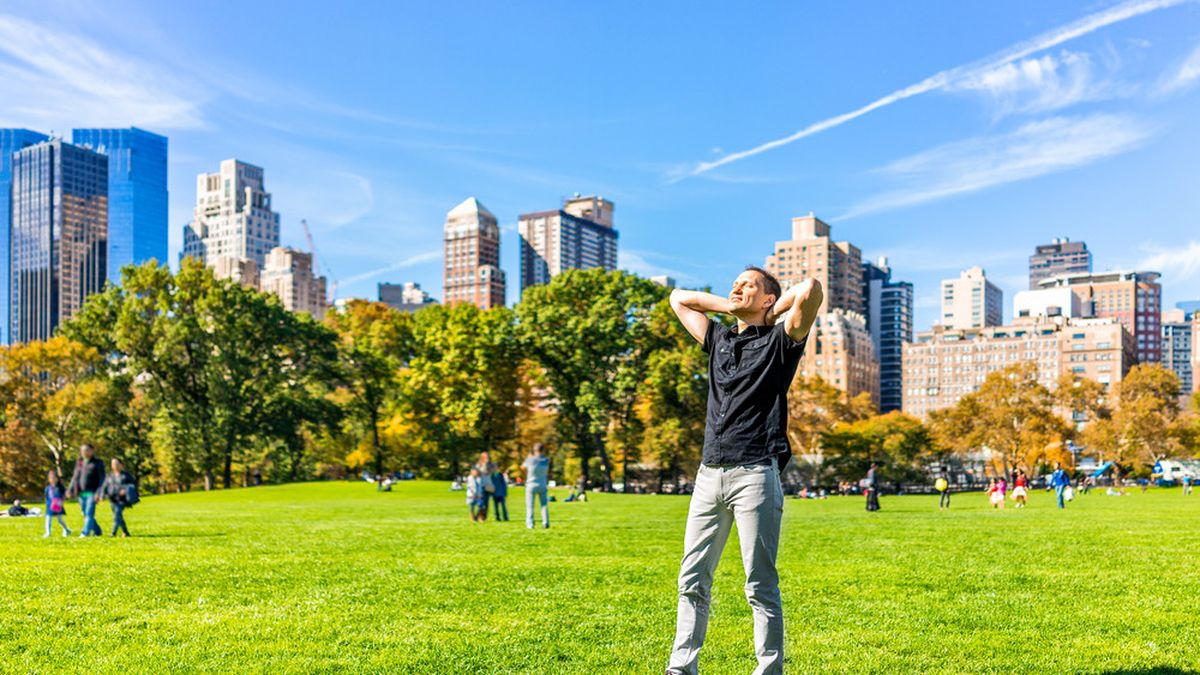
(1133, 298)
(971, 301)
(1062, 256)
(59, 246)
(11, 140)
(580, 235)
(288, 273)
(471, 271)
(137, 194)
(890, 323)
(232, 218)
(811, 252)
(1177, 340)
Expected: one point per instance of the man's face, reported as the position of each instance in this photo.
(86, 451)
(748, 297)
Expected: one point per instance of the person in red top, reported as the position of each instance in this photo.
(1020, 489)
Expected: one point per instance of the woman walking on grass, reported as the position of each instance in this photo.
(56, 496)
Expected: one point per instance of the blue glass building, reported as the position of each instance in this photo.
(137, 194)
(11, 140)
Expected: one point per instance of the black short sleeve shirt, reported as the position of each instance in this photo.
(748, 378)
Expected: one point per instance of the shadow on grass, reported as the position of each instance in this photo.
(180, 535)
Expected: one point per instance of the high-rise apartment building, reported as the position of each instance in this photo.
(232, 219)
(890, 322)
(471, 271)
(580, 236)
(137, 194)
(842, 352)
(1177, 341)
(1133, 298)
(58, 246)
(944, 364)
(1196, 351)
(288, 273)
(971, 301)
(406, 297)
(11, 140)
(812, 253)
(1061, 256)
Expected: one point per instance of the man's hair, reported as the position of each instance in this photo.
(770, 283)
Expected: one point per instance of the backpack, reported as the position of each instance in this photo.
(131, 494)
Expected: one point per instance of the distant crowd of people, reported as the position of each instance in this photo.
(91, 484)
(488, 485)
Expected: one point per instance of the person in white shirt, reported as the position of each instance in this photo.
(537, 480)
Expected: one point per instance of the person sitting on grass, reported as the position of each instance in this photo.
(17, 510)
(56, 497)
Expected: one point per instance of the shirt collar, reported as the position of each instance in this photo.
(752, 330)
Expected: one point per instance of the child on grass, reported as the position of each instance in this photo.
(995, 495)
(56, 497)
(476, 497)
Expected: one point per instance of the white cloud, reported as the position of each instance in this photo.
(636, 262)
(49, 78)
(410, 261)
(947, 78)
(1035, 149)
(1185, 75)
(1180, 263)
(1038, 84)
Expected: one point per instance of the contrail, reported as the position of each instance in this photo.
(940, 80)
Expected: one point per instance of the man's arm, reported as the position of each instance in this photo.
(691, 308)
(798, 308)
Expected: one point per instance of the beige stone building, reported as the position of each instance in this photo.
(471, 271)
(232, 219)
(944, 364)
(841, 351)
(971, 301)
(242, 270)
(812, 253)
(288, 273)
(1133, 298)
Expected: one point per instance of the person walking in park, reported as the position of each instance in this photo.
(486, 469)
(56, 497)
(1187, 485)
(1060, 481)
(1020, 489)
(116, 489)
(537, 480)
(85, 480)
(476, 501)
(750, 367)
(943, 487)
(871, 487)
(500, 495)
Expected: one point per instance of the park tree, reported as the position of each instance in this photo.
(1146, 424)
(816, 407)
(673, 400)
(46, 402)
(213, 355)
(462, 381)
(1012, 414)
(584, 328)
(374, 342)
(897, 442)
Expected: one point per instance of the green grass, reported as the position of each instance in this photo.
(338, 577)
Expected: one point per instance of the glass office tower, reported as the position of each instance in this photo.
(59, 241)
(137, 194)
(11, 140)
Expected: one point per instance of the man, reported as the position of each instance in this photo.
(872, 484)
(87, 478)
(500, 495)
(750, 367)
(537, 479)
(17, 509)
(1059, 480)
(943, 487)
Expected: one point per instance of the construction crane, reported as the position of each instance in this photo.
(312, 248)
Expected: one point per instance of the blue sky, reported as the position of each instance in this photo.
(940, 134)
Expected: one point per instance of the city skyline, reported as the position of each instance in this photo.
(1025, 123)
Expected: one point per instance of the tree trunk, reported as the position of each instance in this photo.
(208, 480)
(605, 467)
(228, 472)
(375, 443)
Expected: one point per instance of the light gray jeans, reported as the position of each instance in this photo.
(752, 497)
(538, 491)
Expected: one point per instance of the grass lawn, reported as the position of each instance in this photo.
(338, 577)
